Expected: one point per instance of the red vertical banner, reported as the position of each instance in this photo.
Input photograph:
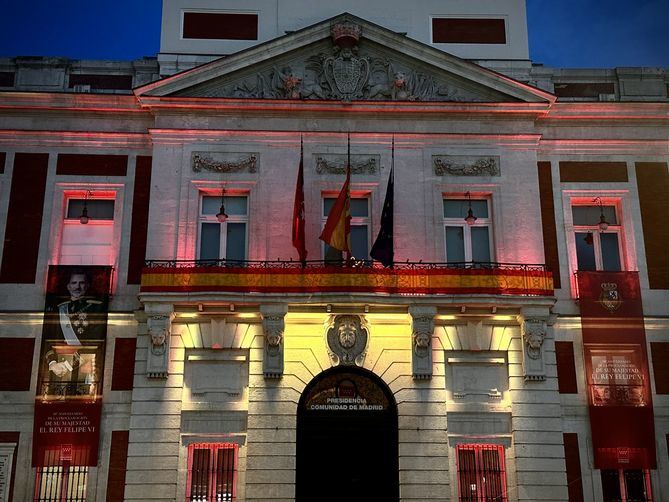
(69, 386)
(616, 365)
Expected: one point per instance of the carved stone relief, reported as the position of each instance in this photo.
(345, 69)
(274, 325)
(219, 162)
(422, 329)
(465, 165)
(159, 331)
(534, 333)
(336, 163)
(347, 337)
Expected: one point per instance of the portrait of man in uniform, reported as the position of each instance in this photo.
(75, 327)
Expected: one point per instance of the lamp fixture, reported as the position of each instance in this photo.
(470, 219)
(221, 216)
(603, 224)
(84, 218)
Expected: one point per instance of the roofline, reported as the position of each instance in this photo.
(262, 51)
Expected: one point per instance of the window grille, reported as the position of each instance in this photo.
(61, 480)
(212, 472)
(481, 475)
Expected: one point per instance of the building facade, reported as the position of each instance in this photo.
(162, 339)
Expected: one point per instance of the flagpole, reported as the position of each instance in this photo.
(349, 253)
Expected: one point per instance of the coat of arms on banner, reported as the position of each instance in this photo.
(609, 298)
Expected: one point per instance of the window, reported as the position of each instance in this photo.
(360, 224)
(223, 240)
(220, 26)
(467, 242)
(92, 243)
(62, 478)
(468, 31)
(481, 476)
(626, 485)
(597, 249)
(212, 472)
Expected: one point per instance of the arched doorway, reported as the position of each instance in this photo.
(347, 438)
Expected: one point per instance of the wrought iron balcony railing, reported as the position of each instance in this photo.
(406, 278)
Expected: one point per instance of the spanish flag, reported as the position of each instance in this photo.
(337, 231)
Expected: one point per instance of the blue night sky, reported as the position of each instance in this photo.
(563, 33)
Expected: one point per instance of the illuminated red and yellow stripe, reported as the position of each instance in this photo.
(347, 280)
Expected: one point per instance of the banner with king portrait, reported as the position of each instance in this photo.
(71, 364)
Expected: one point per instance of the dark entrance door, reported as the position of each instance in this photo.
(347, 439)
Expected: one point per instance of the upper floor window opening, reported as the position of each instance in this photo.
(598, 235)
(88, 240)
(468, 241)
(220, 25)
(360, 228)
(227, 240)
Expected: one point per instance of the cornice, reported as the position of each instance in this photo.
(634, 147)
(402, 140)
(70, 102)
(164, 104)
(603, 114)
(75, 138)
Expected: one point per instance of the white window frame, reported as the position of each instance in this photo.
(609, 196)
(63, 192)
(467, 233)
(355, 220)
(616, 228)
(211, 218)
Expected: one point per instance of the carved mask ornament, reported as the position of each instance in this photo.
(347, 337)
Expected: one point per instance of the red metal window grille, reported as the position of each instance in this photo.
(626, 485)
(481, 475)
(212, 472)
(62, 478)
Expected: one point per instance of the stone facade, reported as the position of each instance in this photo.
(229, 365)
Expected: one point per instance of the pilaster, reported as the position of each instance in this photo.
(155, 420)
(537, 412)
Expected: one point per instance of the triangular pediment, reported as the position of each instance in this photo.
(345, 59)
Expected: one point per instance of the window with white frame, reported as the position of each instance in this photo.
(598, 236)
(481, 475)
(88, 229)
(212, 472)
(626, 485)
(223, 240)
(468, 241)
(360, 229)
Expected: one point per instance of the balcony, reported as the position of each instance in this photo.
(291, 277)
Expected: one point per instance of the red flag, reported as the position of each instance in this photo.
(299, 242)
(337, 231)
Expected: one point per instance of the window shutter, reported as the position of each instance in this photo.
(16, 363)
(566, 368)
(124, 364)
(573, 463)
(118, 461)
(660, 354)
